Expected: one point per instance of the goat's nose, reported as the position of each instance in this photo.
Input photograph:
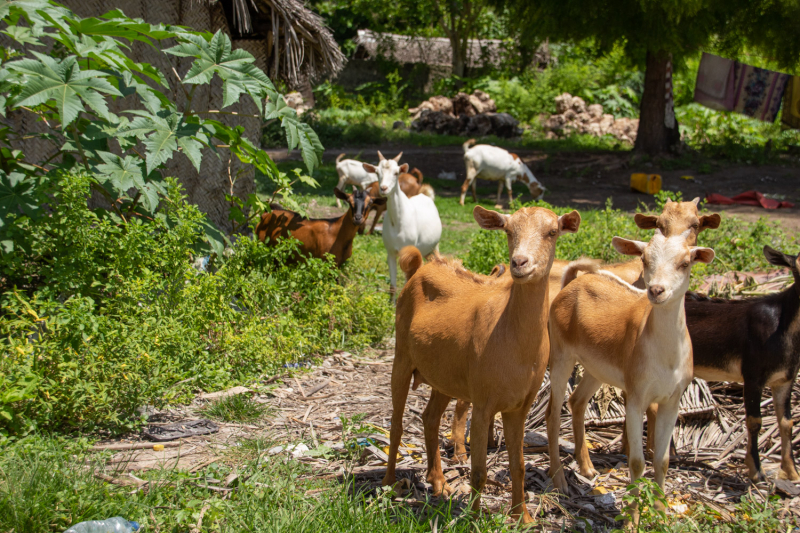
(656, 290)
(518, 262)
(384, 188)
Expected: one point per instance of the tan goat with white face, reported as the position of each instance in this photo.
(630, 338)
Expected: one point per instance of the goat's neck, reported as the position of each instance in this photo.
(666, 330)
(398, 205)
(343, 228)
(523, 302)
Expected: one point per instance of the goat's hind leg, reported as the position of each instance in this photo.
(578, 402)
(431, 420)
(561, 366)
(782, 395)
(401, 380)
(458, 430)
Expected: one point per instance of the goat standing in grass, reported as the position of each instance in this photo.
(320, 236)
(492, 163)
(352, 172)
(409, 221)
(479, 339)
(632, 339)
(410, 183)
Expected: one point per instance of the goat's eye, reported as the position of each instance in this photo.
(553, 233)
(685, 264)
(695, 225)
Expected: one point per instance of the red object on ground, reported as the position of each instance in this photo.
(747, 198)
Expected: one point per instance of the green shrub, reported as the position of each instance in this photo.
(116, 316)
(738, 244)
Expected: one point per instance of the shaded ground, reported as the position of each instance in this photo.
(587, 179)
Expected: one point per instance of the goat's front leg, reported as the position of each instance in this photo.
(652, 413)
(514, 429)
(458, 430)
(664, 426)
(499, 191)
(634, 428)
(481, 416)
(752, 407)
(782, 395)
(431, 419)
(578, 402)
(392, 260)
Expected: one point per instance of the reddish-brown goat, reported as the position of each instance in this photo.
(320, 236)
(410, 184)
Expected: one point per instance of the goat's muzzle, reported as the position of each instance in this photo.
(656, 294)
(384, 188)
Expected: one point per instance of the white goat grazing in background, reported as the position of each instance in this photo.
(352, 172)
(408, 221)
(495, 164)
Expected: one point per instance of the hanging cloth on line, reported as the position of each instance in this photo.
(791, 104)
(715, 82)
(726, 85)
(758, 91)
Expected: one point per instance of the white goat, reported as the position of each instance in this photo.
(352, 172)
(409, 221)
(495, 164)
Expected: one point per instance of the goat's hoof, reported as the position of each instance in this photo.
(388, 481)
(589, 472)
(789, 476)
(442, 490)
(560, 482)
(758, 477)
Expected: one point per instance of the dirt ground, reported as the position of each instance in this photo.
(586, 179)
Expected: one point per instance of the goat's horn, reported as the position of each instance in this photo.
(398, 156)
(380, 156)
(697, 201)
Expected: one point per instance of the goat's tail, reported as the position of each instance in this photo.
(339, 157)
(467, 145)
(418, 173)
(427, 190)
(410, 261)
(579, 265)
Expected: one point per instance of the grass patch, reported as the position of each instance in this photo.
(236, 408)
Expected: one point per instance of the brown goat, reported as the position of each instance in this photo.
(410, 184)
(495, 359)
(320, 236)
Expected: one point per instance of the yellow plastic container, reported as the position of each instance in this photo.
(646, 183)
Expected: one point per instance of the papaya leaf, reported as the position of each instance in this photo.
(122, 173)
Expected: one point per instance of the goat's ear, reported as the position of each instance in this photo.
(628, 247)
(645, 221)
(369, 168)
(379, 201)
(404, 168)
(489, 219)
(709, 221)
(774, 257)
(339, 194)
(498, 270)
(569, 223)
(702, 255)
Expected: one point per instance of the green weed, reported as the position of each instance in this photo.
(235, 408)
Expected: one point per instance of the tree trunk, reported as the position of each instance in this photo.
(658, 128)
(459, 54)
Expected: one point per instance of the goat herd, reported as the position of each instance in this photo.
(488, 340)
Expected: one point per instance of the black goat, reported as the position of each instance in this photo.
(756, 342)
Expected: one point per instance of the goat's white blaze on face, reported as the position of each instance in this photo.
(667, 264)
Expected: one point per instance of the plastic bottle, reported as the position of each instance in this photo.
(115, 525)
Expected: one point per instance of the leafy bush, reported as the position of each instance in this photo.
(738, 244)
(116, 317)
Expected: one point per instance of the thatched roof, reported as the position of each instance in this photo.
(297, 40)
(433, 50)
